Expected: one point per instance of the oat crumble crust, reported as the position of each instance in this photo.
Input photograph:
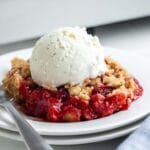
(116, 77)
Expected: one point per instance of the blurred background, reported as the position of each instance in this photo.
(121, 24)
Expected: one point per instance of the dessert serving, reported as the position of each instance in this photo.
(68, 79)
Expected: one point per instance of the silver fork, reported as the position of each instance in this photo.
(32, 139)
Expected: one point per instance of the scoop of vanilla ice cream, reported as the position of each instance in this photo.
(66, 55)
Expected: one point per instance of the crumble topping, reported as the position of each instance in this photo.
(116, 77)
(20, 70)
(21, 66)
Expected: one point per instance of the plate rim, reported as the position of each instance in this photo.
(109, 135)
(83, 132)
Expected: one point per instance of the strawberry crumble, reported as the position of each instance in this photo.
(98, 97)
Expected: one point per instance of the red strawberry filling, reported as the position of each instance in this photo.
(59, 106)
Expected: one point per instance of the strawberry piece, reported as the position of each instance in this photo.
(88, 114)
(63, 94)
(31, 102)
(24, 90)
(79, 103)
(45, 94)
(102, 89)
(118, 101)
(41, 109)
(139, 90)
(54, 111)
(97, 103)
(71, 114)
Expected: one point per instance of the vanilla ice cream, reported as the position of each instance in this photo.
(66, 55)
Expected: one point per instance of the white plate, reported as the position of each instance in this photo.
(79, 139)
(136, 64)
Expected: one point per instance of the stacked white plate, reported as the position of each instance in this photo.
(110, 127)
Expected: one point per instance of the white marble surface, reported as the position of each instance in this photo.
(131, 36)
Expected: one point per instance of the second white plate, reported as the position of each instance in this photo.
(79, 139)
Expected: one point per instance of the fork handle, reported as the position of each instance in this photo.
(32, 139)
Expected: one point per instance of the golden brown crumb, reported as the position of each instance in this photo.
(20, 69)
(85, 93)
(113, 81)
(21, 66)
(115, 68)
(11, 83)
(116, 77)
(75, 90)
